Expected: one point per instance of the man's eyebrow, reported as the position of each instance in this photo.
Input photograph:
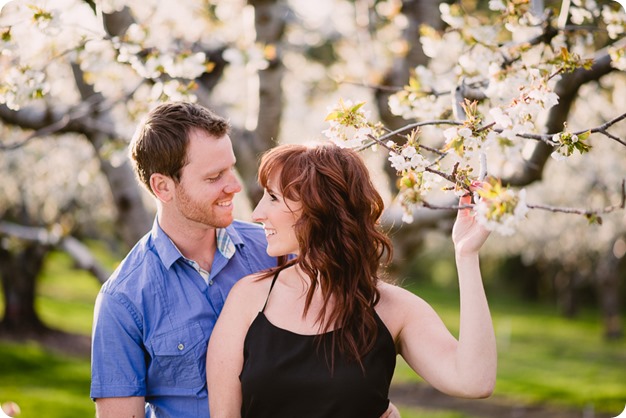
(221, 170)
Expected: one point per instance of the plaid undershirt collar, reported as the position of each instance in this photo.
(225, 245)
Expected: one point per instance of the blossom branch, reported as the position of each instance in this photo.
(586, 212)
(547, 138)
(380, 140)
(428, 205)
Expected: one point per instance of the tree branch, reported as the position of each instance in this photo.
(81, 255)
(48, 122)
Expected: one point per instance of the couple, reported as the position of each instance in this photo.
(310, 330)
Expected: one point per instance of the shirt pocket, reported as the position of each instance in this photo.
(179, 357)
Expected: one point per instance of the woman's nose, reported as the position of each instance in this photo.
(257, 213)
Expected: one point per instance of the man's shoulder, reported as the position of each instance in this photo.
(140, 264)
(250, 232)
(252, 236)
(247, 227)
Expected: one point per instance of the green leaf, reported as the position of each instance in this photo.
(334, 115)
(356, 107)
(583, 136)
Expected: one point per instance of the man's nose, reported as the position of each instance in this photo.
(234, 184)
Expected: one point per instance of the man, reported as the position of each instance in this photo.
(154, 316)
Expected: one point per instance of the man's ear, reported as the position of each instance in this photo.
(162, 186)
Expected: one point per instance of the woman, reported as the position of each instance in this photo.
(318, 336)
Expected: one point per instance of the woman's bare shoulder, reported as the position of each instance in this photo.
(397, 305)
(251, 289)
(394, 293)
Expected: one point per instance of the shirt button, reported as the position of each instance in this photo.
(210, 282)
(181, 346)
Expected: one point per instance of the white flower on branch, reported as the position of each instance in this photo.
(500, 209)
(497, 5)
(408, 159)
(568, 142)
(618, 58)
(451, 15)
(580, 15)
(21, 85)
(615, 21)
(349, 125)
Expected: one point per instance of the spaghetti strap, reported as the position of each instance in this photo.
(270, 291)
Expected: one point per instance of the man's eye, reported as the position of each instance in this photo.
(214, 179)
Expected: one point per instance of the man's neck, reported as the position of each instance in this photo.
(195, 242)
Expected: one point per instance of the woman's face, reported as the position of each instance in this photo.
(278, 216)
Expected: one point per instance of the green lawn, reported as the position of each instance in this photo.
(542, 357)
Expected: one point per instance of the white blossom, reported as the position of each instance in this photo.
(560, 153)
(501, 119)
(507, 222)
(497, 5)
(408, 159)
(446, 15)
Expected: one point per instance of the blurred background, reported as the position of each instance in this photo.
(76, 76)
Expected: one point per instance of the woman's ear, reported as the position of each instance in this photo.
(162, 186)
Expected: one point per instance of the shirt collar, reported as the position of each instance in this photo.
(225, 244)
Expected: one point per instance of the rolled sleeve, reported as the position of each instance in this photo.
(118, 366)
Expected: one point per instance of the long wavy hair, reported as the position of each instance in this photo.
(341, 245)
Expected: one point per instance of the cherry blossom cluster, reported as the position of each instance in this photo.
(350, 125)
(498, 80)
(37, 36)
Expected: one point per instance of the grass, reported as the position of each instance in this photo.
(543, 357)
(36, 379)
(425, 413)
(44, 384)
(66, 296)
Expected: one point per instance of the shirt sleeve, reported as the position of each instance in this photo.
(118, 365)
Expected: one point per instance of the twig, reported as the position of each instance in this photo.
(445, 207)
(380, 140)
(586, 212)
(93, 104)
(46, 130)
(547, 138)
(577, 211)
(391, 89)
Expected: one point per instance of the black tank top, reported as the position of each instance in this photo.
(286, 375)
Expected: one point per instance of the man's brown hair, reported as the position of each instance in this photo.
(160, 142)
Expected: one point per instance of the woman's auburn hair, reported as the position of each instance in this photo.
(341, 246)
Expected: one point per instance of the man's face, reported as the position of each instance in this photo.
(208, 182)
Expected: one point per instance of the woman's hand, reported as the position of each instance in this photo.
(467, 234)
(391, 412)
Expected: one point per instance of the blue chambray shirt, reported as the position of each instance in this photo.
(154, 316)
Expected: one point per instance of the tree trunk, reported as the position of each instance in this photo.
(407, 238)
(417, 12)
(269, 22)
(607, 282)
(19, 269)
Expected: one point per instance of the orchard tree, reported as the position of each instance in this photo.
(493, 104)
(449, 94)
(71, 68)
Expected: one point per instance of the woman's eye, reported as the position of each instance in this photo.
(271, 195)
